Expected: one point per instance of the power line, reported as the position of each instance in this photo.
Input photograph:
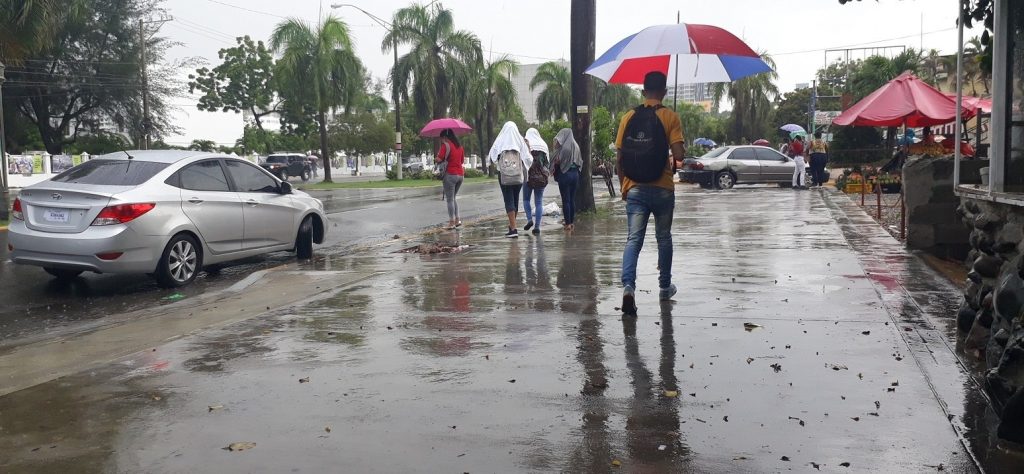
(196, 31)
(819, 50)
(207, 29)
(248, 9)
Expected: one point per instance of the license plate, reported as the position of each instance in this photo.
(56, 215)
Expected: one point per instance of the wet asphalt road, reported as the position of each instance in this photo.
(513, 356)
(36, 307)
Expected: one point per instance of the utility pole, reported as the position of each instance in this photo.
(582, 32)
(4, 213)
(398, 109)
(145, 86)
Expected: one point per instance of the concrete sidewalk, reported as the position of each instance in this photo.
(803, 338)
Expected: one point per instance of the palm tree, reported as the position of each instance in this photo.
(752, 98)
(974, 69)
(617, 98)
(29, 26)
(317, 69)
(437, 51)
(486, 92)
(931, 64)
(555, 99)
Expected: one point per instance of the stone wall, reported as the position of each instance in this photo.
(932, 223)
(991, 314)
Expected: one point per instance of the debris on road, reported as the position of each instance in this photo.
(240, 446)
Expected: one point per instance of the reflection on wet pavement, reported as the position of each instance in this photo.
(512, 357)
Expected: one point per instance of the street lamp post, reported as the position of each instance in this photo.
(394, 83)
(4, 215)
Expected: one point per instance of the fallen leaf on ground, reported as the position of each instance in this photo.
(750, 326)
(725, 418)
(671, 393)
(511, 380)
(304, 380)
(865, 332)
(856, 418)
(776, 367)
(816, 465)
(878, 404)
(749, 360)
(784, 458)
(240, 446)
(616, 462)
(327, 429)
(215, 407)
(844, 464)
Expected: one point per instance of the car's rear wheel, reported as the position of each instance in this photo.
(725, 180)
(304, 240)
(62, 274)
(180, 262)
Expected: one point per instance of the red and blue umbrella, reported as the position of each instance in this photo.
(686, 53)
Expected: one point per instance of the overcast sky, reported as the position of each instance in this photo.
(795, 32)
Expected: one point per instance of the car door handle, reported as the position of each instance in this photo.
(252, 202)
(195, 201)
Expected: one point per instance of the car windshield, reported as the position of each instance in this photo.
(277, 159)
(111, 172)
(714, 153)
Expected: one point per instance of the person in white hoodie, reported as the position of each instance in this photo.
(511, 155)
(536, 180)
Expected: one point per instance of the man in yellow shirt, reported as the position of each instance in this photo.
(641, 151)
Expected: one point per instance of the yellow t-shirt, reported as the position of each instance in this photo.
(674, 131)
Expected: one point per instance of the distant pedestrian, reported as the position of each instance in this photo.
(646, 134)
(796, 151)
(511, 155)
(312, 164)
(819, 158)
(566, 164)
(536, 180)
(784, 147)
(451, 155)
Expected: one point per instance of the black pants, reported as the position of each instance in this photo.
(818, 161)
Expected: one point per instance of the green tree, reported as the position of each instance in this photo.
(361, 134)
(203, 145)
(555, 97)
(549, 129)
(316, 70)
(617, 98)
(437, 51)
(29, 26)
(98, 144)
(241, 83)
(752, 99)
(604, 129)
(87, 74)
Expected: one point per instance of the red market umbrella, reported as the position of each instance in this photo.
(434, 128)
(905, 100)
(973, 104)
(761, 142)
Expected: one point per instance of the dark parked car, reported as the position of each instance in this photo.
(725, 167)
(285, 165)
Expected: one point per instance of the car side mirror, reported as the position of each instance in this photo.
(286, 187)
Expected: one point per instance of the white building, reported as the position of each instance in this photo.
(526, 98)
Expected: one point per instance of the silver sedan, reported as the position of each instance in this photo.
(728, 166)
(164, 213)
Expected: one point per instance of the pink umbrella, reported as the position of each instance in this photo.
(436, 126)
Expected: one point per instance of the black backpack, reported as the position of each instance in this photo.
(644, 146)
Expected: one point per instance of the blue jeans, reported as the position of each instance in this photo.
(567, 184)
(538, 199)
(641, 202)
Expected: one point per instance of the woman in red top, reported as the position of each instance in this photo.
(452, 153)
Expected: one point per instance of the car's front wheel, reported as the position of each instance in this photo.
(305, 175)
(725, 180)
(62, 274)
(180, 262)
(304, 240)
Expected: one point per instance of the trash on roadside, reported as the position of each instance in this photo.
(750, 326)
(214, 407)
(435, 248)
(671, 393)
(552, 209)
(240, 446)
(174, 297)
